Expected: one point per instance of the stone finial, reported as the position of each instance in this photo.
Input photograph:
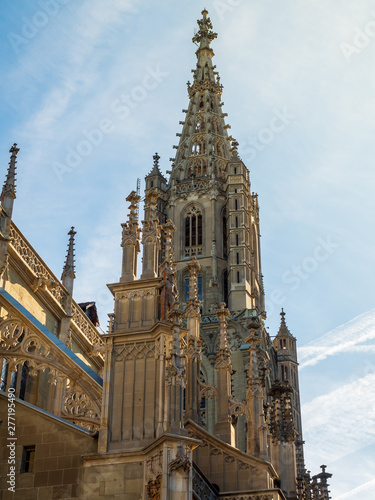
(69, 267)
(156, 159)
(204, 35)
(156, 168)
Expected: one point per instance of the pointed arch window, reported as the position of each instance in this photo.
(193, 232)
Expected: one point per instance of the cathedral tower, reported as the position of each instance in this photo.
(209, 196)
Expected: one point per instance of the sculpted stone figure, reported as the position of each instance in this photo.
(169, 290)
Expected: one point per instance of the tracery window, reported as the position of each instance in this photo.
(193, 232)
(197, 167)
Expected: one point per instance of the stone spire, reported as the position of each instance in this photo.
(8, 193)
(67, 278)
(7, 198)
(283, 330)
(68, 274)
(204, 147)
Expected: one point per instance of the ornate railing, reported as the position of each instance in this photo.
(191, 251)
(254, 495)
(202, 488)
(85, 326)
(30, 257)
(26, 351)
(44, 277)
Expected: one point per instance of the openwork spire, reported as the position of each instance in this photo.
(69, 266)
(204, 146)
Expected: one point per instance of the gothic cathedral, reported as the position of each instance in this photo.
(186, 396)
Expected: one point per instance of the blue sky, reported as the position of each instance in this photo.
(90, 90)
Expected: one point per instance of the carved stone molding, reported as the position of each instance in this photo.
(130, 294)
(137, 350)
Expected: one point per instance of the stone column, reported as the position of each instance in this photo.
(254, 395)
(223, 365)
(193, 354)
(175, 376)
(106, 400)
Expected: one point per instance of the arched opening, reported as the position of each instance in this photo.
(193, 231)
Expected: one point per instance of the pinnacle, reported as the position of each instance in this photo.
(283, 330)
(234, 150)
(156, 168)
(10, 181)
(69, 266)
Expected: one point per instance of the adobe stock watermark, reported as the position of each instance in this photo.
(31, 26)
(299, 273)
(12, 440)
(361, 39)
(121, 108)
(222, 7)
(277, 124)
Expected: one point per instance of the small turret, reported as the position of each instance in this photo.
(286, 347)
(155, 178)
(285, 342)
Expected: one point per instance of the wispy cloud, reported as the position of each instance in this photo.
(359, 492)
(340, 422)
(345, 338)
